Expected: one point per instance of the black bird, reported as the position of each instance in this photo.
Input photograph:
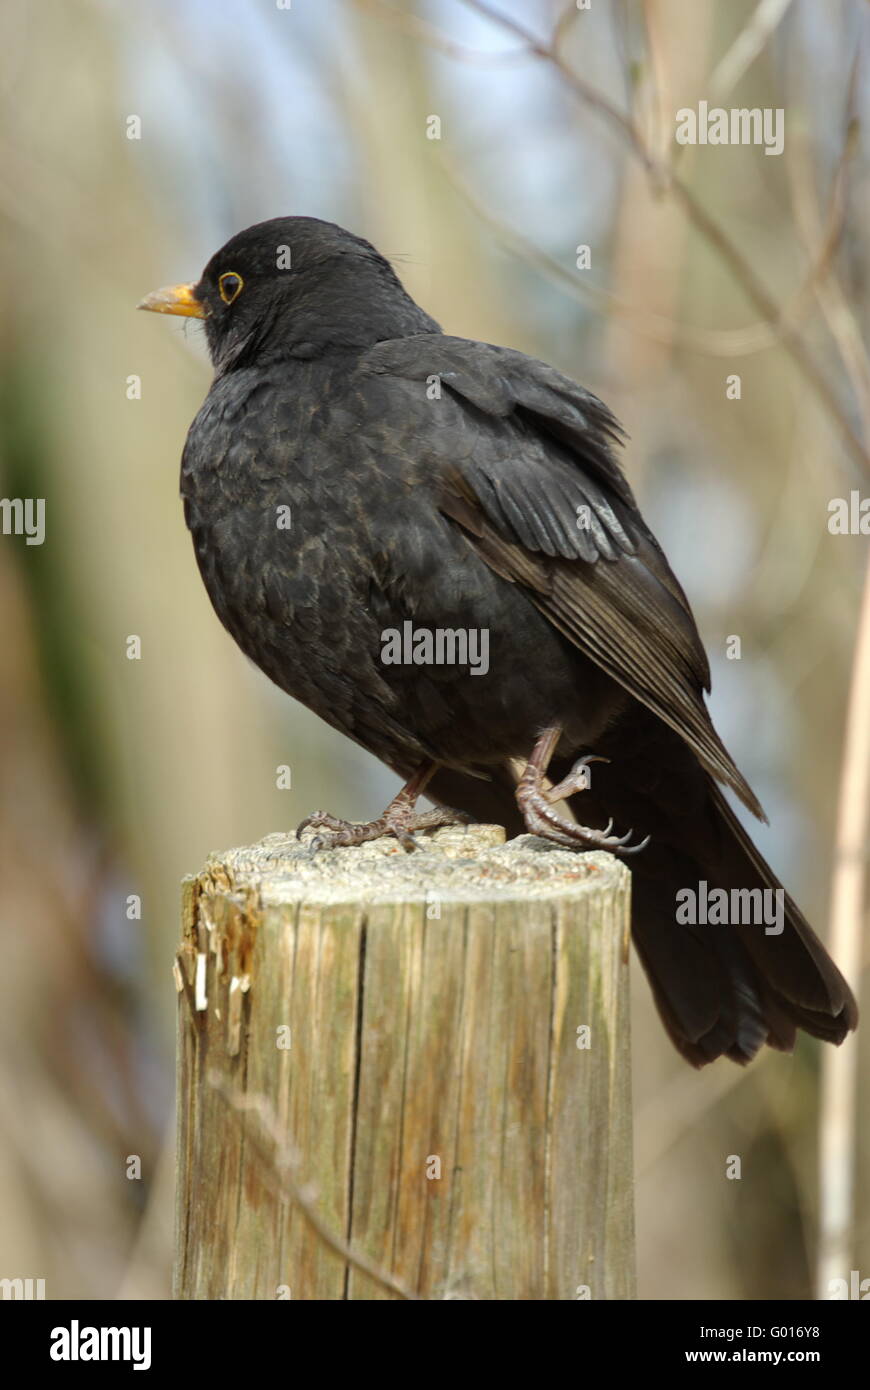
(357, 483)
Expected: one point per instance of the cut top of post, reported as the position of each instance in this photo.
(456, 864)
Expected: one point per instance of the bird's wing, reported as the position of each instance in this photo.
(534, 482)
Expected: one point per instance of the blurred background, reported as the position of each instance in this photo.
(119, 775)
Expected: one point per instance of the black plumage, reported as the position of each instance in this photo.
(457, 485)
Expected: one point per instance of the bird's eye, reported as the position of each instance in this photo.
(230, 286)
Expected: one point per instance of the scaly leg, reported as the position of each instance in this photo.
(536, 802)
(400, 819)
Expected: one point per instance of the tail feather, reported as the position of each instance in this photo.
(800, 972)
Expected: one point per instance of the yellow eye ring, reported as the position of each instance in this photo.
(230, 286)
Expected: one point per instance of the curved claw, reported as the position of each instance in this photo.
(635, 849)
(303, 825)
(621, 839)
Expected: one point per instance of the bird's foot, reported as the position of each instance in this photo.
(536, 804)
(400, 819)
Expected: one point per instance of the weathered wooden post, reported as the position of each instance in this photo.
(405, 1074)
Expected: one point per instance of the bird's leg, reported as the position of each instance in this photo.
(536, 801)
(400, 819)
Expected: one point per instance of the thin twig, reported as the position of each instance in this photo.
(833, 301)
(750, 42)
(714, 342)
(658, 78)
(590, 95)
(769, 310)
(280, 1168)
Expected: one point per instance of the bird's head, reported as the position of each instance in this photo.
(293, 287)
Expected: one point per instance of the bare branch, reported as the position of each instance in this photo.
(593, 98)
(752, 286)
(747, 46)
(832, 299)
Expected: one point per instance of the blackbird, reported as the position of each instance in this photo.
(430, 542)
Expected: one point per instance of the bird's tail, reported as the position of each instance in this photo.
(746, 968)
(732, 961)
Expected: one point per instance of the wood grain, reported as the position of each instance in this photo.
(380, 1088)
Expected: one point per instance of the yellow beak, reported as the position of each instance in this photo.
(174, 299)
